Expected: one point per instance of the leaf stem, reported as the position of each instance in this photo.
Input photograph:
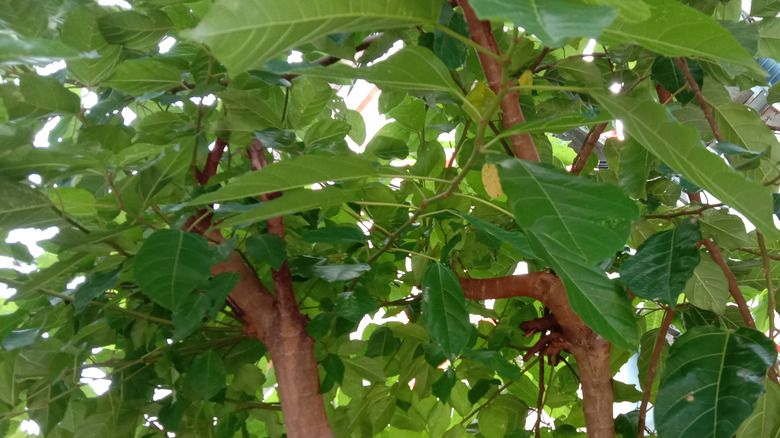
(652, 366)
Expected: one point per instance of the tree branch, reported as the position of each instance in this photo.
(647, 388)
(482, 34)
(587, 148)
(717, 257)
(682, 63)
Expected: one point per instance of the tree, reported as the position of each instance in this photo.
(230, 242)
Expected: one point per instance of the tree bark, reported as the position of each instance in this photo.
(590, 349)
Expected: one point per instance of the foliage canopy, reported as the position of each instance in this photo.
(232, 220)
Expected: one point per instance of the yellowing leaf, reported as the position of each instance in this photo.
(526, 79)
(481, 97)
(490, 181)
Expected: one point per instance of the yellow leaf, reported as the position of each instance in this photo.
(480, 97)
(525, 79)
(490, 181)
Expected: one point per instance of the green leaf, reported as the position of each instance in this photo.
(765, 420)
(712, 381)
(33, 51)
(774, 94)
(600, 302)
(552, 21)
(147, 75)
(593, 220)
(294, 201)
(325, 131)
(170, 264)
(268, 249)
(679, 146)
(334, 366)
(21, 206)
(217, 290)
(367, 368)
(334, 235)
(135, 30)
(28, 18)
(352, 306)
(708, 288)
(93, 288)
(391, 141)
(674, 29)
(442, 387)
(73, 200)
(557, 124)
(38, 96)
(252, 110)
(207, 374)
(666, 73)
(444, 309)
(290, 174)
(727, 230)
(770, 38)
(743, 126)
(764, 8)
(92, 71)
(276, 26)
(308, 98)
(413, 68)
(381, 343)
(635, 165)
(663, 264)
(494, 360)
(449, 49)
(334, 273)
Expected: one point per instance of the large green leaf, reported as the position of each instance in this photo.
(600, 302)
(741, 125)
(252, 110)
(557, 124)
(290, 174)
(444, 309)
(412, 68)
(663, 264)
(135, 30)
(28, 18)
(308, 98)
(170, 264)
(38, 96)
(770, 38)
(207, 374)
(727, 230)
(294, 201)
(674, 29)
(765, 420)
(712, 381)
(634, 168)
(146, 75)
(21, 206)
(247, 34)
(708, 288)
(516, 240)
(679, 146)
(552, 21)
(591, 219)
(35, 51)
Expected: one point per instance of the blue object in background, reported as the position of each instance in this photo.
(771, 66)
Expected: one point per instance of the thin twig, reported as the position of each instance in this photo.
(769, 284)
(540, 400)
(697, 212)
(682, 63)
(656, 356)
(717, 257)
(587, 148)
(758, 253)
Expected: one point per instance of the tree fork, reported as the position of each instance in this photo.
(590, 349)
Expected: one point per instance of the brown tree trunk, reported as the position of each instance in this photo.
(590, 349)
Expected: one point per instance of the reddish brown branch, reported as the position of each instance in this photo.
(656, 356)
(682, 63)
(482, 34)
(758, 253)
(587, 148)
(212, 162)
(717, 257)
(590, 350)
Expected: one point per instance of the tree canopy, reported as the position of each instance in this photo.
(563, 189)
